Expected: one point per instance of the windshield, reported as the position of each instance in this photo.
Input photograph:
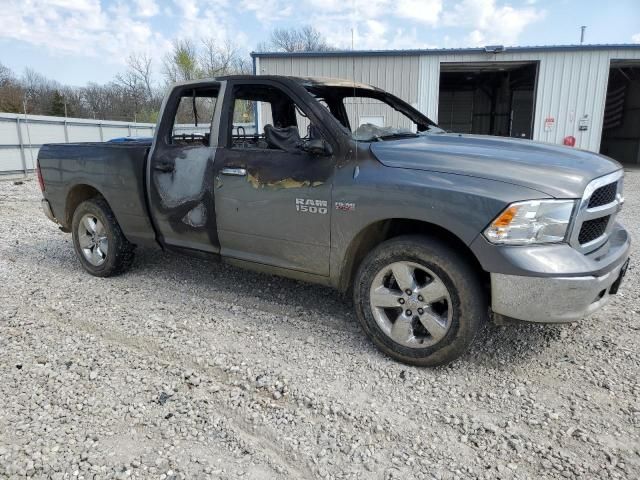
(369, 114)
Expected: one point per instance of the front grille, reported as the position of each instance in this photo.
(603, 195)
(592, 229)
(596, 213)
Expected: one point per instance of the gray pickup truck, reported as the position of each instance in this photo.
(432, 232)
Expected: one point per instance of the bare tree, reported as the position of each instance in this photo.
(131, 95)
(131, 83)
(189, 61)
(74, 101)
(139, 65)
(128, 86)
(11, 96)
(11, 92)
(137, 86)
(132, 87)
(39, 91)
(5, 74)
(96, 100)
(221, 59)
(304, 39)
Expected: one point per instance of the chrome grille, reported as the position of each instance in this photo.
(592, 229)
(604, 195)
(597, 211)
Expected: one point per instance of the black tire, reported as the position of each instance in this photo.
(461, 279)
(119, 256)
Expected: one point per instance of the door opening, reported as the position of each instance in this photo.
(488, 98)
(621, 125)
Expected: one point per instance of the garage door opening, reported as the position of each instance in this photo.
(621, 125)
(488, 98)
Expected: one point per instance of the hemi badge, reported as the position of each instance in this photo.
(345, 206)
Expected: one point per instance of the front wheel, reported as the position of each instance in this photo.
(99, 243)
(418, 301)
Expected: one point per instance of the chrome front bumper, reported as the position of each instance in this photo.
(553, 299)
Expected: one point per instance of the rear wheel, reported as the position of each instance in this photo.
(99, 243)
(419, 301)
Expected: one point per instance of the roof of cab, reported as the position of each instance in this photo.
(304, 81)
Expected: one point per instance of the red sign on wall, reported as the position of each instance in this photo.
(549, 123)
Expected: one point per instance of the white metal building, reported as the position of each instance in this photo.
(550, 94)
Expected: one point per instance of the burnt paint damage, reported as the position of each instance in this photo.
(180, 181)
(280, 169)
(262, 179)
(183, 196)
(285, 183)
(279, 158)
(186, 181)
(196, 217)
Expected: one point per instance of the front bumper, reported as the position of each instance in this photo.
(552, 299)
(545, 293)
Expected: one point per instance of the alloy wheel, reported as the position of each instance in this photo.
(92, 238)
(411, 304)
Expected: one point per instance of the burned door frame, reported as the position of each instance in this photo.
(257, 191)
(180, 178)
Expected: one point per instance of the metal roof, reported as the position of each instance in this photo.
(446, 51)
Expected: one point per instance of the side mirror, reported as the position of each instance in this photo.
(317, 147)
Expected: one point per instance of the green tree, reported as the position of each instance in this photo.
(181, 63)
(57, 107)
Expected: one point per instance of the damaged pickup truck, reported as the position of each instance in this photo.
(432, 232)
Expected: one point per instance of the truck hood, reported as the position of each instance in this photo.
(557, 171)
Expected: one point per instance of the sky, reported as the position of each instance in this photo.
(80, 41)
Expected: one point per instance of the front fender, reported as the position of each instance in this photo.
(462, 205)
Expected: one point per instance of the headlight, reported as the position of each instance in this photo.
(535, 221)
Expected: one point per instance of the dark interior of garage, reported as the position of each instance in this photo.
(488, 99)
(621, 126)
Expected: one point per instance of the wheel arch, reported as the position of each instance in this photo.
(76, 195)
(377, 232)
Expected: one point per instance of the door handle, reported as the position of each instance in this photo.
(238, 172)
(164, 167)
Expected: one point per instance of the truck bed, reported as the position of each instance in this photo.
(115, 169)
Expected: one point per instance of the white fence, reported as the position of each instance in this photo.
(21, 136)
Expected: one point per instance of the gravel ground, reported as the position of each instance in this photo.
(183, 368)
